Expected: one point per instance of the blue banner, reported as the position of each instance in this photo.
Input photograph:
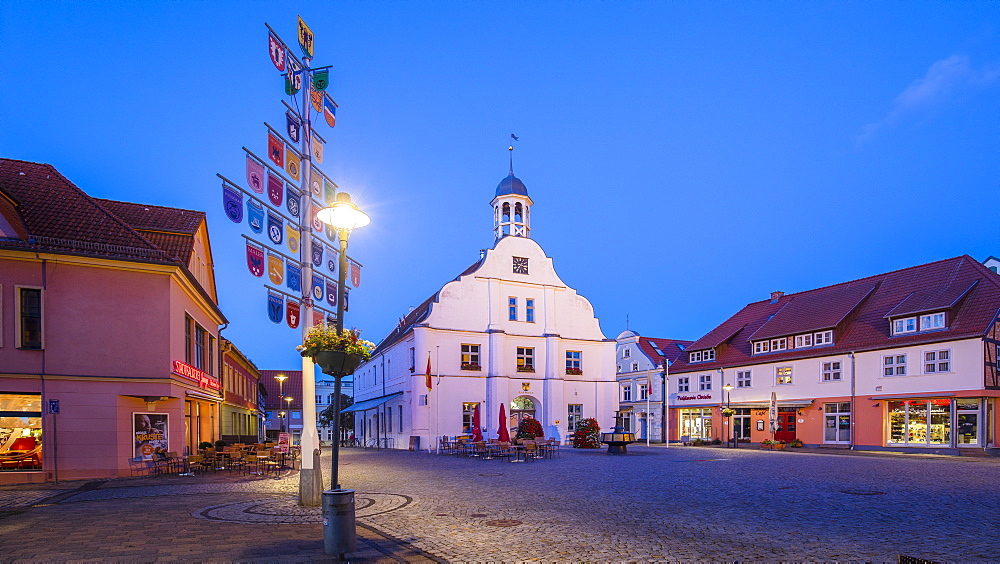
(255, 216)
(292, 202)
(317, 288)
(275, 228)
(275, 307)
(293, 275)
(317, 251)
(331, 293)
(232, 202)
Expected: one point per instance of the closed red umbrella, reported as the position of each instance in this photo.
(502, 431)
(477, 430)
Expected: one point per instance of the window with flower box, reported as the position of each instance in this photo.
(525, 359)
(573, 362)
(470, 357)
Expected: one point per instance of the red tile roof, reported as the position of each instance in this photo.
(865, 327)
(813, 311)
(671, 349)
(171, 229)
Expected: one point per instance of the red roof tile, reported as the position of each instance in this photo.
(292, 387)
(815, 310)
(659, 349)
(866, 327)
(171, 229)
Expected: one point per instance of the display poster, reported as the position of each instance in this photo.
(283, 442)
(150, 432)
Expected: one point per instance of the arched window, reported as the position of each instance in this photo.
(506, 213)
(518, 215)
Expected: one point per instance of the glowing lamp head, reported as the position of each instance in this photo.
(343, 215)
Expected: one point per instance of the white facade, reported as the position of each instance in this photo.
(507, 331)
(640, 382)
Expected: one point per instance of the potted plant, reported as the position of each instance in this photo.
(587, 434)
(529, 428)
(574, 371)
(779, 445)
(727, 412)
(767, 444)
(335, 353)
(797, 443)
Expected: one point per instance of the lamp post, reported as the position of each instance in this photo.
(339, 535)
(729, 401)
(281, 393)
(288, 422)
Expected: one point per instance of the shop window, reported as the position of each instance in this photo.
(20, 432)
(919, 422)
(696, 423)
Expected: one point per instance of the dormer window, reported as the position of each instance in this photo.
(928, 322)
(707, 355)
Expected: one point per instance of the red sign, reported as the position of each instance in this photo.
(192, 373)
(699, 396)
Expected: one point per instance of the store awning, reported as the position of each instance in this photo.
(371, 403)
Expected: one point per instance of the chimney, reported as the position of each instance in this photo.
(775, 296)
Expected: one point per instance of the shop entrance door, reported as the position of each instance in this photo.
(786, 425)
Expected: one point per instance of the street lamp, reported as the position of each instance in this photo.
(339, 536)
(729, 402)
(288, 423)
(281, 393)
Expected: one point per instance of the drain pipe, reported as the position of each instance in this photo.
(854, 415)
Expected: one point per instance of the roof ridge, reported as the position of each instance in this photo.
(123, 222)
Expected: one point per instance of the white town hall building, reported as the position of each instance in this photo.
(506, 331)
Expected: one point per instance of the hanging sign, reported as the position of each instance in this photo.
(255, 216)
(293, 78)
(292, 200)
(294, 276)
(274, 188)
(355, 274)
(292, 313)
(292, 126)
(255, 175)
(330, 192)
(277, 50)
(331, 293)
(331, 264)
(317, 224)
(275, 149)
(317, 252)
(317, 288)
(292, 164)
(317, 100)
(331, 233)
(275, 227)
(255, 260)
(329, 112)
(275, 307)
(321, 79)
(292, 237)
(306, 38)
(232, 202)
(317, 149)
(275, 269)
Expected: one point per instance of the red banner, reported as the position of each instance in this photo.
(276, 150)
(255, 260)
(292, 313)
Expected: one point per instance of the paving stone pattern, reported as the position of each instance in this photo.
(655, 504)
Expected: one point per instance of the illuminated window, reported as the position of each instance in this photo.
(783, 375)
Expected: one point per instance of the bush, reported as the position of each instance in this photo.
(529, 429)
(588, 434)
(220, 444)
(204, 444)
(716, 441)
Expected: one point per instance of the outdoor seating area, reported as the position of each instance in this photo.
(517, 450)
(259, 459)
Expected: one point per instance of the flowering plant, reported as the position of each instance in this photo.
(728, 412)
(574, 371)
(767, 442)
(588, 434)
(529, 428)
(471, 366)
(324, 337)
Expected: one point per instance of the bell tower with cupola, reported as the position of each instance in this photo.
(511, 206)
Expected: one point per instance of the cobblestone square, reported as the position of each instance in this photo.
(655, 504)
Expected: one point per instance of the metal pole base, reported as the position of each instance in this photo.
(310, 482)
(339, 528)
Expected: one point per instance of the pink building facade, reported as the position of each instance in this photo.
(109, 330)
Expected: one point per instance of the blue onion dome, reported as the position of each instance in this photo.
(511, 185)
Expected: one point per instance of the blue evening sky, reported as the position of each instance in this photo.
(685, 158)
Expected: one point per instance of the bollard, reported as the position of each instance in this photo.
(339, 534)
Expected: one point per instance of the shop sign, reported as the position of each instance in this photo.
(695, 397)
(191, 373)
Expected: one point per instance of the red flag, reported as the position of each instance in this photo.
(428, 376)
(275, 150)
(355, 274)
(277, 50)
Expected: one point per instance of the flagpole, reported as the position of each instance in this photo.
(311, 472)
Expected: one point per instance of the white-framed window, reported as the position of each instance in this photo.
(832, 371)
(627, 392)
(529, 310)
(684, 384)
(704, 382)
(760, 347)
(29, 318)
(635, 366)
(573, 415)
(626, 352)
(525, 359)
(512, 309)
(937, 361)
(779, 344)
(803, 341)
(574, 362)
(470, 357)
(905, 325)
(743, 379)
(783, 375)
(413, 359)
(894, 365)
(703, 356)
(643, 390)
(823, 338)
(932, 321)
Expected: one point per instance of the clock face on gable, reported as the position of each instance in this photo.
(520, 265)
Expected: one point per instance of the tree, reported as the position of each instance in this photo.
(346, 419)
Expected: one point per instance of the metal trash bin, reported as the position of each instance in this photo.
(339, 533)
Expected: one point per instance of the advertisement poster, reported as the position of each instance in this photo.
(283, 442)
(150, 432)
